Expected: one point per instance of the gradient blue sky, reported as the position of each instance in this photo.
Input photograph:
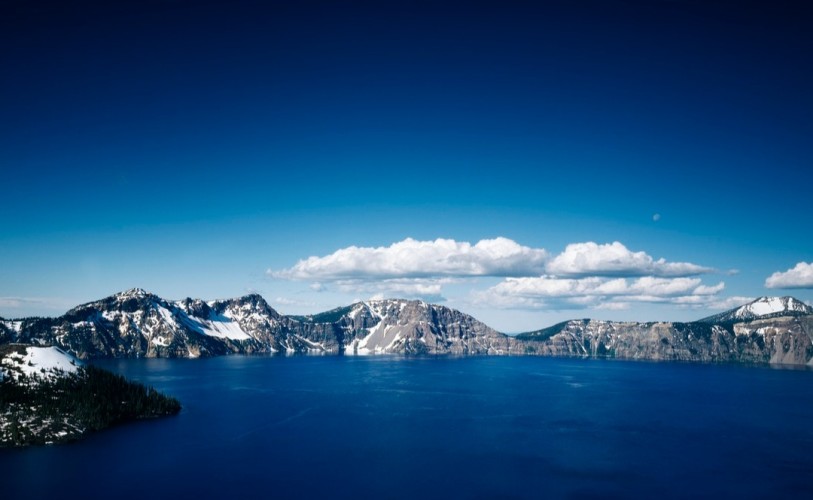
(190, 147)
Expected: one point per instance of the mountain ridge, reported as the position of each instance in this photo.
(761, 308)
(136, 323)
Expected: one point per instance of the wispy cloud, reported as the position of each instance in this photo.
(22, 305)
(285, 301)
(429, 290)
(800, 276)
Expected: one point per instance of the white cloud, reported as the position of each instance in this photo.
(596, 292)
(726, 303)
(614, 259)
(429, 290)
(584, 275)
(709, 290)
(800, 276)
(422, 259)
(613, 306)
(547, 286)
(500, 257)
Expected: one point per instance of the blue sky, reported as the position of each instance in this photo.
(205, 148)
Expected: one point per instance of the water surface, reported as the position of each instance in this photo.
(483, 427)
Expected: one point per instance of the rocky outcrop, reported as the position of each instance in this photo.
(415, 327)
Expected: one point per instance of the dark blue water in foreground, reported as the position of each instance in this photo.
(442, 428)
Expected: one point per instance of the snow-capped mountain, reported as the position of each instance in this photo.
(136, 323)
(762, 308)
(415, 327)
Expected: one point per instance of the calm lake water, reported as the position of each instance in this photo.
(486, 427)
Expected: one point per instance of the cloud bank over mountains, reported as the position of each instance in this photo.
(583, 275)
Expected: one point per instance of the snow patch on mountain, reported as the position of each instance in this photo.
(218, 326)
(761, 308)
(14, 326)
(133, 293)
(44, 362)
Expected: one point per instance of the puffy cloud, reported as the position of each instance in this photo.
(421, 259)
(614, 259)
(800, 276)
(584, 275)
(546, 286)
(597, 292)
(500, 257)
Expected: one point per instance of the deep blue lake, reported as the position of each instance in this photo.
(483, 427)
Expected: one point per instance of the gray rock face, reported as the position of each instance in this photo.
(136, 323)
(783, 339)
(415, 327)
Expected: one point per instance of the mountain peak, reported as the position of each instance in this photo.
(132, 293)
(253, 298)
(763, 307)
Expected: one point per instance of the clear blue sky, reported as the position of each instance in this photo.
(190, 147)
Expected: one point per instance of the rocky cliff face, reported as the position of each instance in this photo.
(768, 330)
(136, 323)
(415, 327)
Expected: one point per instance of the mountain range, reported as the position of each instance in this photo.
(136, 323)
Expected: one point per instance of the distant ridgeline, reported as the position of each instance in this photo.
(47, 396)
(139, 324)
